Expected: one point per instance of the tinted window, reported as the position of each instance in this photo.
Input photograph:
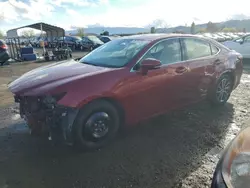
(105, 39)
(196, 48)
(214, 49)
(168, 51)
(95, 39)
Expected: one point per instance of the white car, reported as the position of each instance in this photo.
(241, 45)
(224, 36)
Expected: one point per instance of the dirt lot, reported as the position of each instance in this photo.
(179, 149)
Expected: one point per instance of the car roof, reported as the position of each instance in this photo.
(156, 36)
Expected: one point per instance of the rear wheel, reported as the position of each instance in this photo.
(222, 91)
(96, 125)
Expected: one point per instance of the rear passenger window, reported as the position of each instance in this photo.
(196, 48)
(214, 49)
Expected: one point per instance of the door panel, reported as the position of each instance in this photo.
(201, 63)
(146, 94)
(162, 89)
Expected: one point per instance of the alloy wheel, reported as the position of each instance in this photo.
(223, 90)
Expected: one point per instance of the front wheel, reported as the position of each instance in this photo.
(222, 91)
(96, 125)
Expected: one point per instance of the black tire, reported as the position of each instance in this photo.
(84, 128)
(222, 91)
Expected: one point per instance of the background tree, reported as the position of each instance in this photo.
(152, 30)
(193, 28)
(211, 27)
(28, 33)
(228, 29)
(202, 30)
(80, 32)
(244, 30)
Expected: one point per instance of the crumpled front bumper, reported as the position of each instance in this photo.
(48, 118)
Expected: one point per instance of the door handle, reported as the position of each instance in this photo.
(217, 62)
(181, 70)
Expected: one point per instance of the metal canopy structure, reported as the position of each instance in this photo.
(12, 35)
(51, 31)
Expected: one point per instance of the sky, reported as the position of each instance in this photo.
(116, 13)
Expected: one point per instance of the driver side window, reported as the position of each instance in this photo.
(167, 51)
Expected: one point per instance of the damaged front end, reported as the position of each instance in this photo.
(45, 116)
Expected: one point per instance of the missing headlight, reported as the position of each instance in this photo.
(52, 99)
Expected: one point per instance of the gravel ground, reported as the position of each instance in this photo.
(179, 149)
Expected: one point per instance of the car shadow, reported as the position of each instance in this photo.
(156, 153)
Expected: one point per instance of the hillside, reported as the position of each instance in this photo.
(238, 24)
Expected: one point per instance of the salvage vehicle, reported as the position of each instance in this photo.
(70, 41)
(106, 39)
(241, 45)
(4, 54)
(123, 82)
(233, 168)
(90, 43)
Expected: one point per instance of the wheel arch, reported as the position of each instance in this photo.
(230, 73)
(115, 103)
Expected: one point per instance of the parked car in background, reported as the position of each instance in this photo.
(241, 45)
(106, 39)
(70, 41)
(232, 35)
(123, 82)
(4, 55)
(90, 43)
(218, 37)
(224, 36)
(233, 168)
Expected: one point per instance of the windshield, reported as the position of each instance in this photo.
(95, 39)
(115, 53)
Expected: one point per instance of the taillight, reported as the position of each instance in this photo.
(4, 46)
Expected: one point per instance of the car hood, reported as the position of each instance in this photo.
(65, 70)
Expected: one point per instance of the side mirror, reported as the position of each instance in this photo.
(149, 64)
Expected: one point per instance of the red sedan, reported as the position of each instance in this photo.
(123, 82)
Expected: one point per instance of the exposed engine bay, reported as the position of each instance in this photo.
(45, 117)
